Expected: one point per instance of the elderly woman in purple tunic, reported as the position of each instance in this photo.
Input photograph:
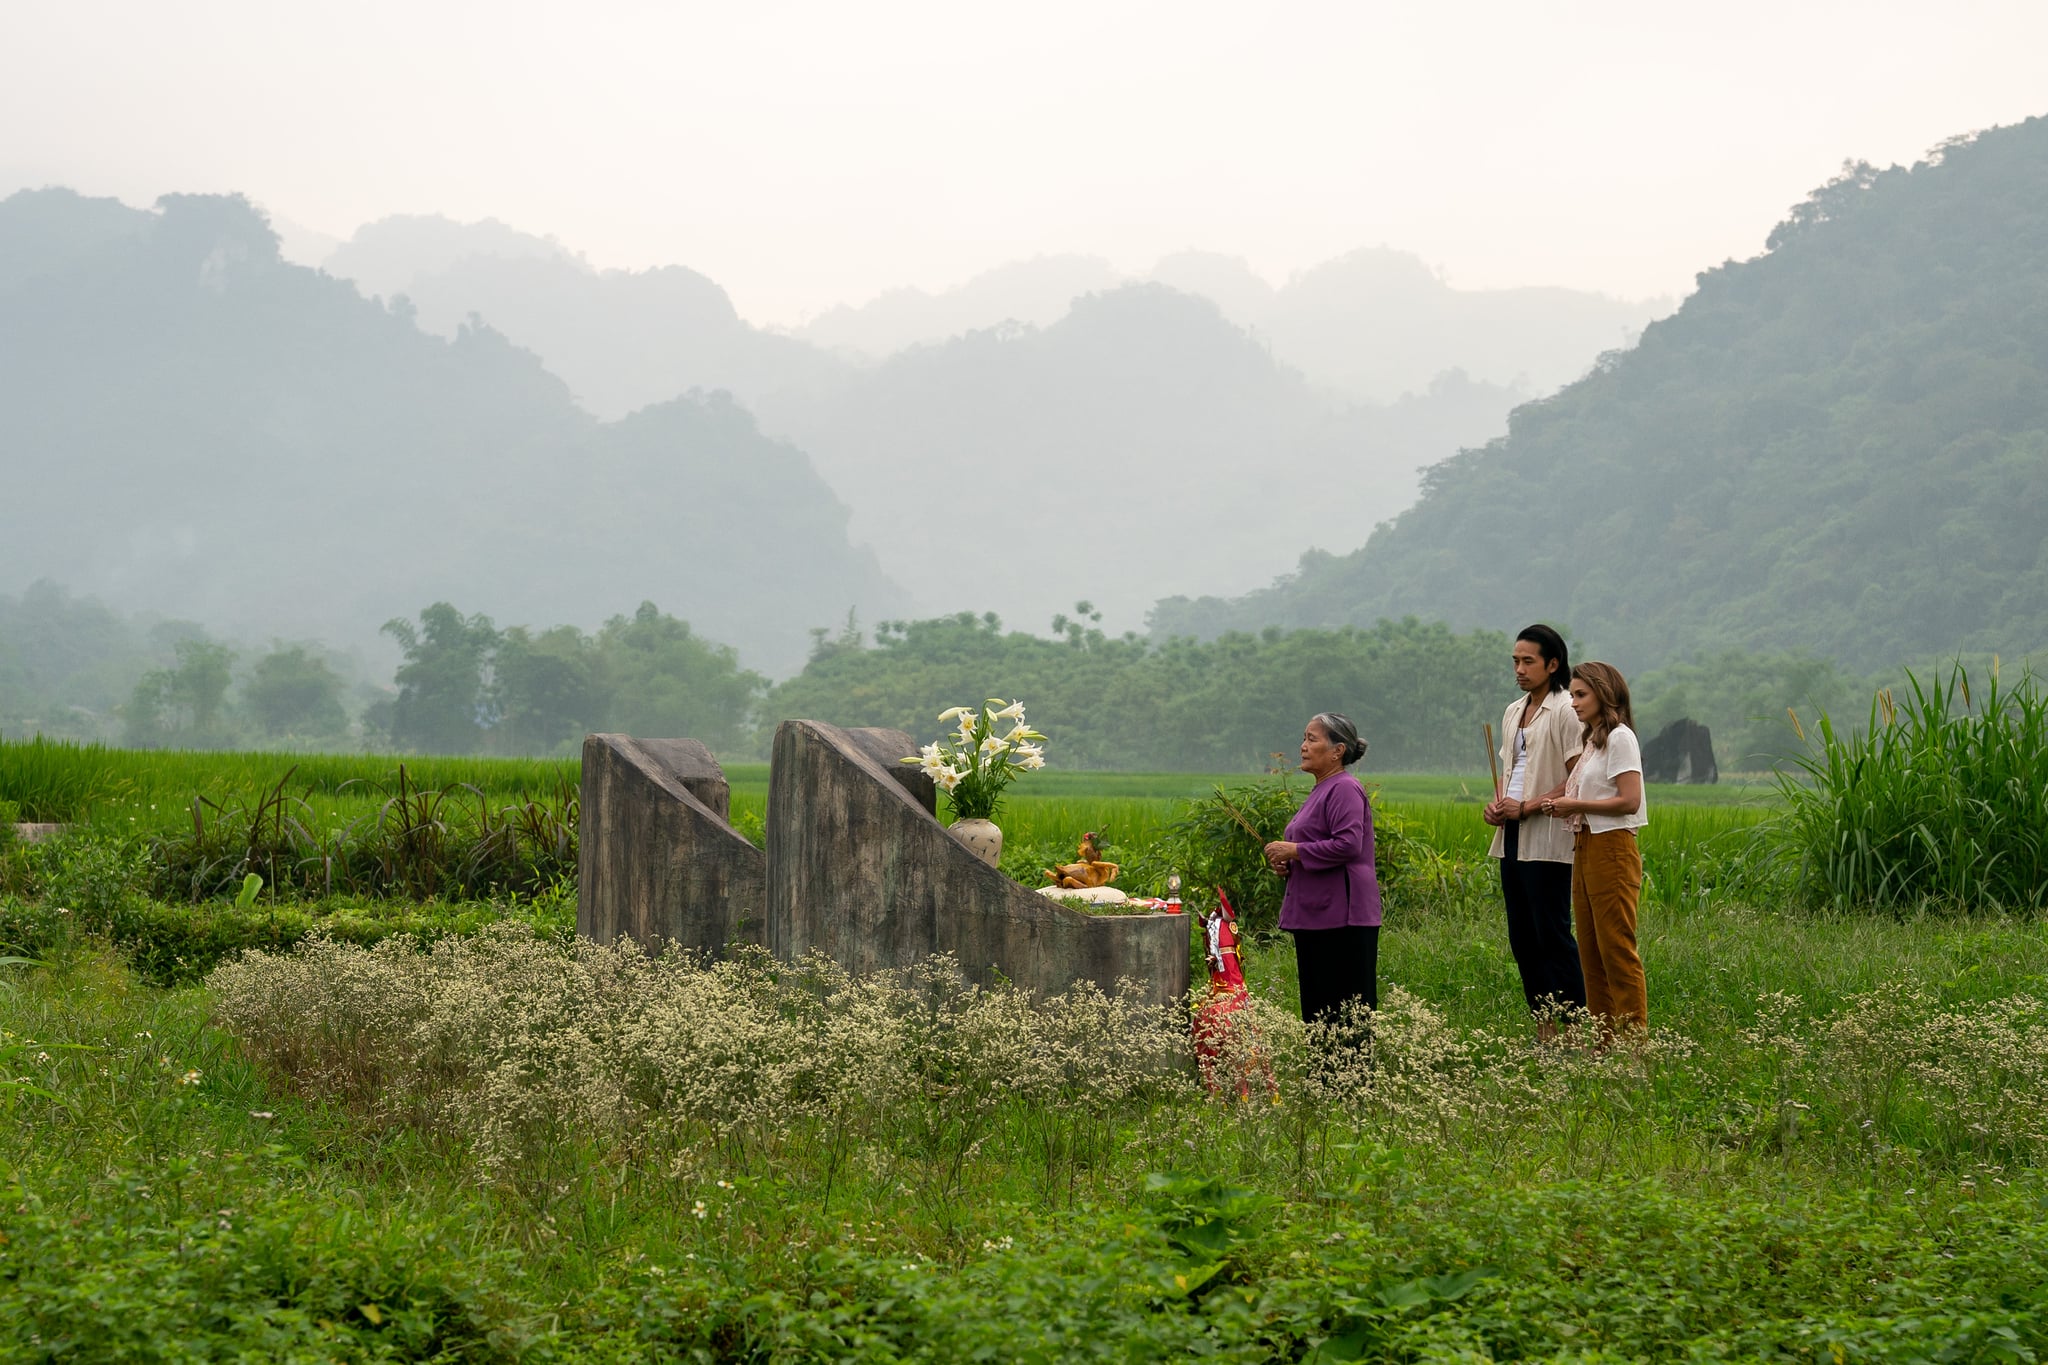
(1332, 905)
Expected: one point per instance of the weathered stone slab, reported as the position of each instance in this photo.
(861, 870)
(1683, 751)
(657, 861)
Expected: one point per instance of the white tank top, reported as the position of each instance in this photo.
(1521, 771)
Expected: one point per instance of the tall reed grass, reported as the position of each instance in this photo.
(1942, 798)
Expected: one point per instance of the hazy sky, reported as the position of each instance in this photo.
(804, 154)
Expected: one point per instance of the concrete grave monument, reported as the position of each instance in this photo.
(657, 859)
(861, 870)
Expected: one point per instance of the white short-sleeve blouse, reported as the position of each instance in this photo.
(1594, 775)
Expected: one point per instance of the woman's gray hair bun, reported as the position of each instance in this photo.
(1341, 731)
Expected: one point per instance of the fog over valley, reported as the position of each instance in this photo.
(1125, 445)
(658, 344)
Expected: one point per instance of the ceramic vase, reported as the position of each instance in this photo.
(981, 838)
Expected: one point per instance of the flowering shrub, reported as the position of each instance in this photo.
(974, 769)
(542, 1060)
(536, 1053)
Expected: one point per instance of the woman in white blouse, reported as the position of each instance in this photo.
(1603, 801)
(1540, 740)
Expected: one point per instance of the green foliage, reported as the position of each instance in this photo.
(67, 663)
(658, 677)
(1839, 446)
(1939, 798)
(171, 943)
(293, 695)
(545, 689)
(72, 669)
(1223, 706)
(441, 706)
(1744, 698)
(185, 700)
(467, 687)
(420, 843)
(1218, 842)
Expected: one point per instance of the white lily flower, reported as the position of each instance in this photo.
(992, 745)
(1032, 761)
(948, 778)
(1014, 711)
(955, 713)
(1021, 733)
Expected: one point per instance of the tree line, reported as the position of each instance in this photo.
(1418, 690)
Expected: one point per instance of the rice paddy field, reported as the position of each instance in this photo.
(150, 792)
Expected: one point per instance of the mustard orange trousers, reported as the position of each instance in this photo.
(1607, 884)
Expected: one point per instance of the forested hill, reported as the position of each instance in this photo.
(1142, 444)
(1840, 445)
(192, 426)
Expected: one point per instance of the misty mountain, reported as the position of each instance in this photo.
(1379, 323)
(193, 426)
(1227, 281)
(46, 231)
(1037, 291)
(622, 339)
(1840, 445)
(1136, 403)
(1371, 325)
(388, 257)
(1142, 440)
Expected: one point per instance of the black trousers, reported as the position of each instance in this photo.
(1539, 897)
(1337, 966)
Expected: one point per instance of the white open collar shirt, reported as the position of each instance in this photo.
(1554, 736)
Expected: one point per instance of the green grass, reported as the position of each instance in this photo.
(1673, 1213)
(152, 790)
(1782, 1180)
(67, 782)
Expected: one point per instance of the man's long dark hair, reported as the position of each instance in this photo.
(1551, 647)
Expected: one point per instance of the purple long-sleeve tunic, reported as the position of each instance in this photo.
(1333, 885)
